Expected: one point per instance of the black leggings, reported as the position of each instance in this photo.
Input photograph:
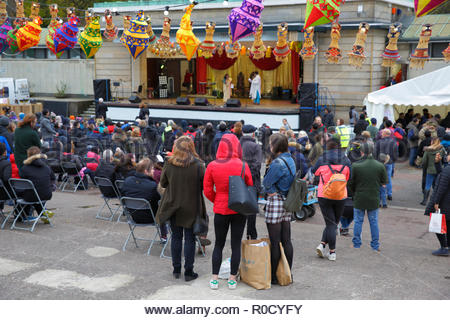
(444, 239)
(280, 232)
(251, 227)
(221, 226)
(332, 211)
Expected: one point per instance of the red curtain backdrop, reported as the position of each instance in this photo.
(220, 62)
(295, 67)
(266, 64)
(201, 75)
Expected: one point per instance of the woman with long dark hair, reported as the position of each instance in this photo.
(182, 201)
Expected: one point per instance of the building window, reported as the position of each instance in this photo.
(437, 48)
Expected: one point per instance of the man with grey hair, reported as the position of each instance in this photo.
(368, 176)
(106, 169)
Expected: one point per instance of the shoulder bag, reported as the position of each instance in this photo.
(242, 198)
(201, 223)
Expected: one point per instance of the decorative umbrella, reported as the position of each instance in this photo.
(420, 56)
(90, 39)
(208, 46)
(55, 23)
(65, 37)
(136, 37)
(245, 20)
(333, 54)
(357, 57)
(309, 49)
(390, 54)
(151, 35)
(29, 35)
(281, 51)
(446, 54)
(186, 38)
(11, 38)
(110, 32)
(4, 29)
(258, 49)
(423, 7)
(321, 12)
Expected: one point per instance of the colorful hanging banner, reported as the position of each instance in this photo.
(90, 39)
(65, 37)
(333, 54)
(4, 29)
(29, 35)
(136, 37)
(186, 38)
(111, 30)
(245, 20)
(420, 56)
(55, 23)
(207, 47)
(258, 49)
(281, 51)
(390, 54)
(321, 12)
(423, 7)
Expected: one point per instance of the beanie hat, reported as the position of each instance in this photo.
(4, 121)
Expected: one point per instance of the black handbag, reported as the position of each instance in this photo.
(201, 224)
(242, 198)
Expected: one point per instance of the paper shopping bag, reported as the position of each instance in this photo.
(437, 223)
(255, 267)
(284, 275)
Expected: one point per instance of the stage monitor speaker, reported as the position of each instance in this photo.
(134, 99)
(307, 95)
(277, 92)
(201, 101)
(102, 89)
(286, 94)
(306, 118)
(233, 103)
(183, 101)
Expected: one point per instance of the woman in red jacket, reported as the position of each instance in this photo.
(228, 163)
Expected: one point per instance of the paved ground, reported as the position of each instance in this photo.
(81, 258)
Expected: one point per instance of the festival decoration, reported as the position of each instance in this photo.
(269, 52)
(390, 54)
(207, 47)
(126, 26)
(151, 34)
(3, 12)
(321, 12)
(245, 20)
(232, 49)
(445, 53)
(55, 23)
(34, 10)
(136, 37)
(29, 35)
(420, 56)
(186, 38)
(11, 38)
(357, 57)
(4, 29)
(65, 37)
(309, 49)
(88, 16)
(423, 7)
(282, 51)
(164, 48)
(111, 31)
(90, 39)
(20, 20)
(333, 54)
(258, 49)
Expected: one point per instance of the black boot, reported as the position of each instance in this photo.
(190, 275)
(425, 197)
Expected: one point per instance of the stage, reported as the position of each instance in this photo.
(271, 112)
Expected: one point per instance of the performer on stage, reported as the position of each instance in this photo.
(226, 87)
(255, 88)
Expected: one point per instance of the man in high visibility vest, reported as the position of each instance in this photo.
(344, 133)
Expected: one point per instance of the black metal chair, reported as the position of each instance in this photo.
(103, 183)
(72, 172)
(6, 216)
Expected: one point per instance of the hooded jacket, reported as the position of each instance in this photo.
(47, 130)
(413, 142)
(142, 186)
(36, 169)
(4, 122)
(228, 163)
(429, 158)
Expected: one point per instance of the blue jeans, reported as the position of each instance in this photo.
(387, 191)
(412, 156)
(429, 181)
(176, 247)
(345, 222)
(357, 228)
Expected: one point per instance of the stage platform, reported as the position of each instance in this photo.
(270, 112)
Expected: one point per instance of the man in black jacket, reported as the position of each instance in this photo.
(142, 185)
(5, 174)
(106, 169)
(361, 125)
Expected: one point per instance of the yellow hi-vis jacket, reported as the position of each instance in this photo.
(345, 135)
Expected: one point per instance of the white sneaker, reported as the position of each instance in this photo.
(332, 256)
(232, 284)
(214, 284)
(320, 251)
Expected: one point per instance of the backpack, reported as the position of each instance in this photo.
(297, 192)
(336, 187)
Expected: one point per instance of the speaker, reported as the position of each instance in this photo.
(102, 89)
(277, 92)
(306, 118)
(307, 94)
(134, 99)
(183, 101)
(201, 101)
(286, 94)
(233, 103)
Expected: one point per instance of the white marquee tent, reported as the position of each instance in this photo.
(429, 90)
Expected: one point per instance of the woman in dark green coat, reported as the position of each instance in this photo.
(25, 137)
(182, 201)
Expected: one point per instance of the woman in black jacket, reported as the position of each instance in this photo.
(5, 174)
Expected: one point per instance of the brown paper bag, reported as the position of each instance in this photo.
(284, 275)
(255, 264)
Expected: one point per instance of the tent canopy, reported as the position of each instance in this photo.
(431, 89)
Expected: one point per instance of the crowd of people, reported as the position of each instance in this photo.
(172, 165)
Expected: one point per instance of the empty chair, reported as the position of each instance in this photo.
(72, 173)
(137, 207)
(5, 196)
(109, 193)
(25, 189)
(57, 169)
(119, 184)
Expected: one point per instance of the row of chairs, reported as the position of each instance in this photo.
(19, 187)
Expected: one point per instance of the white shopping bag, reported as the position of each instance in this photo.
(225, 269)
(437, 223)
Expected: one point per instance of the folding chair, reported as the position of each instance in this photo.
(131, 205)
(119, 185)
(106, 183)
(4, 190)
(20, 186)
(57, 169)
(71, 171)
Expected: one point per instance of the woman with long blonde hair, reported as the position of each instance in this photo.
(182, 178)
